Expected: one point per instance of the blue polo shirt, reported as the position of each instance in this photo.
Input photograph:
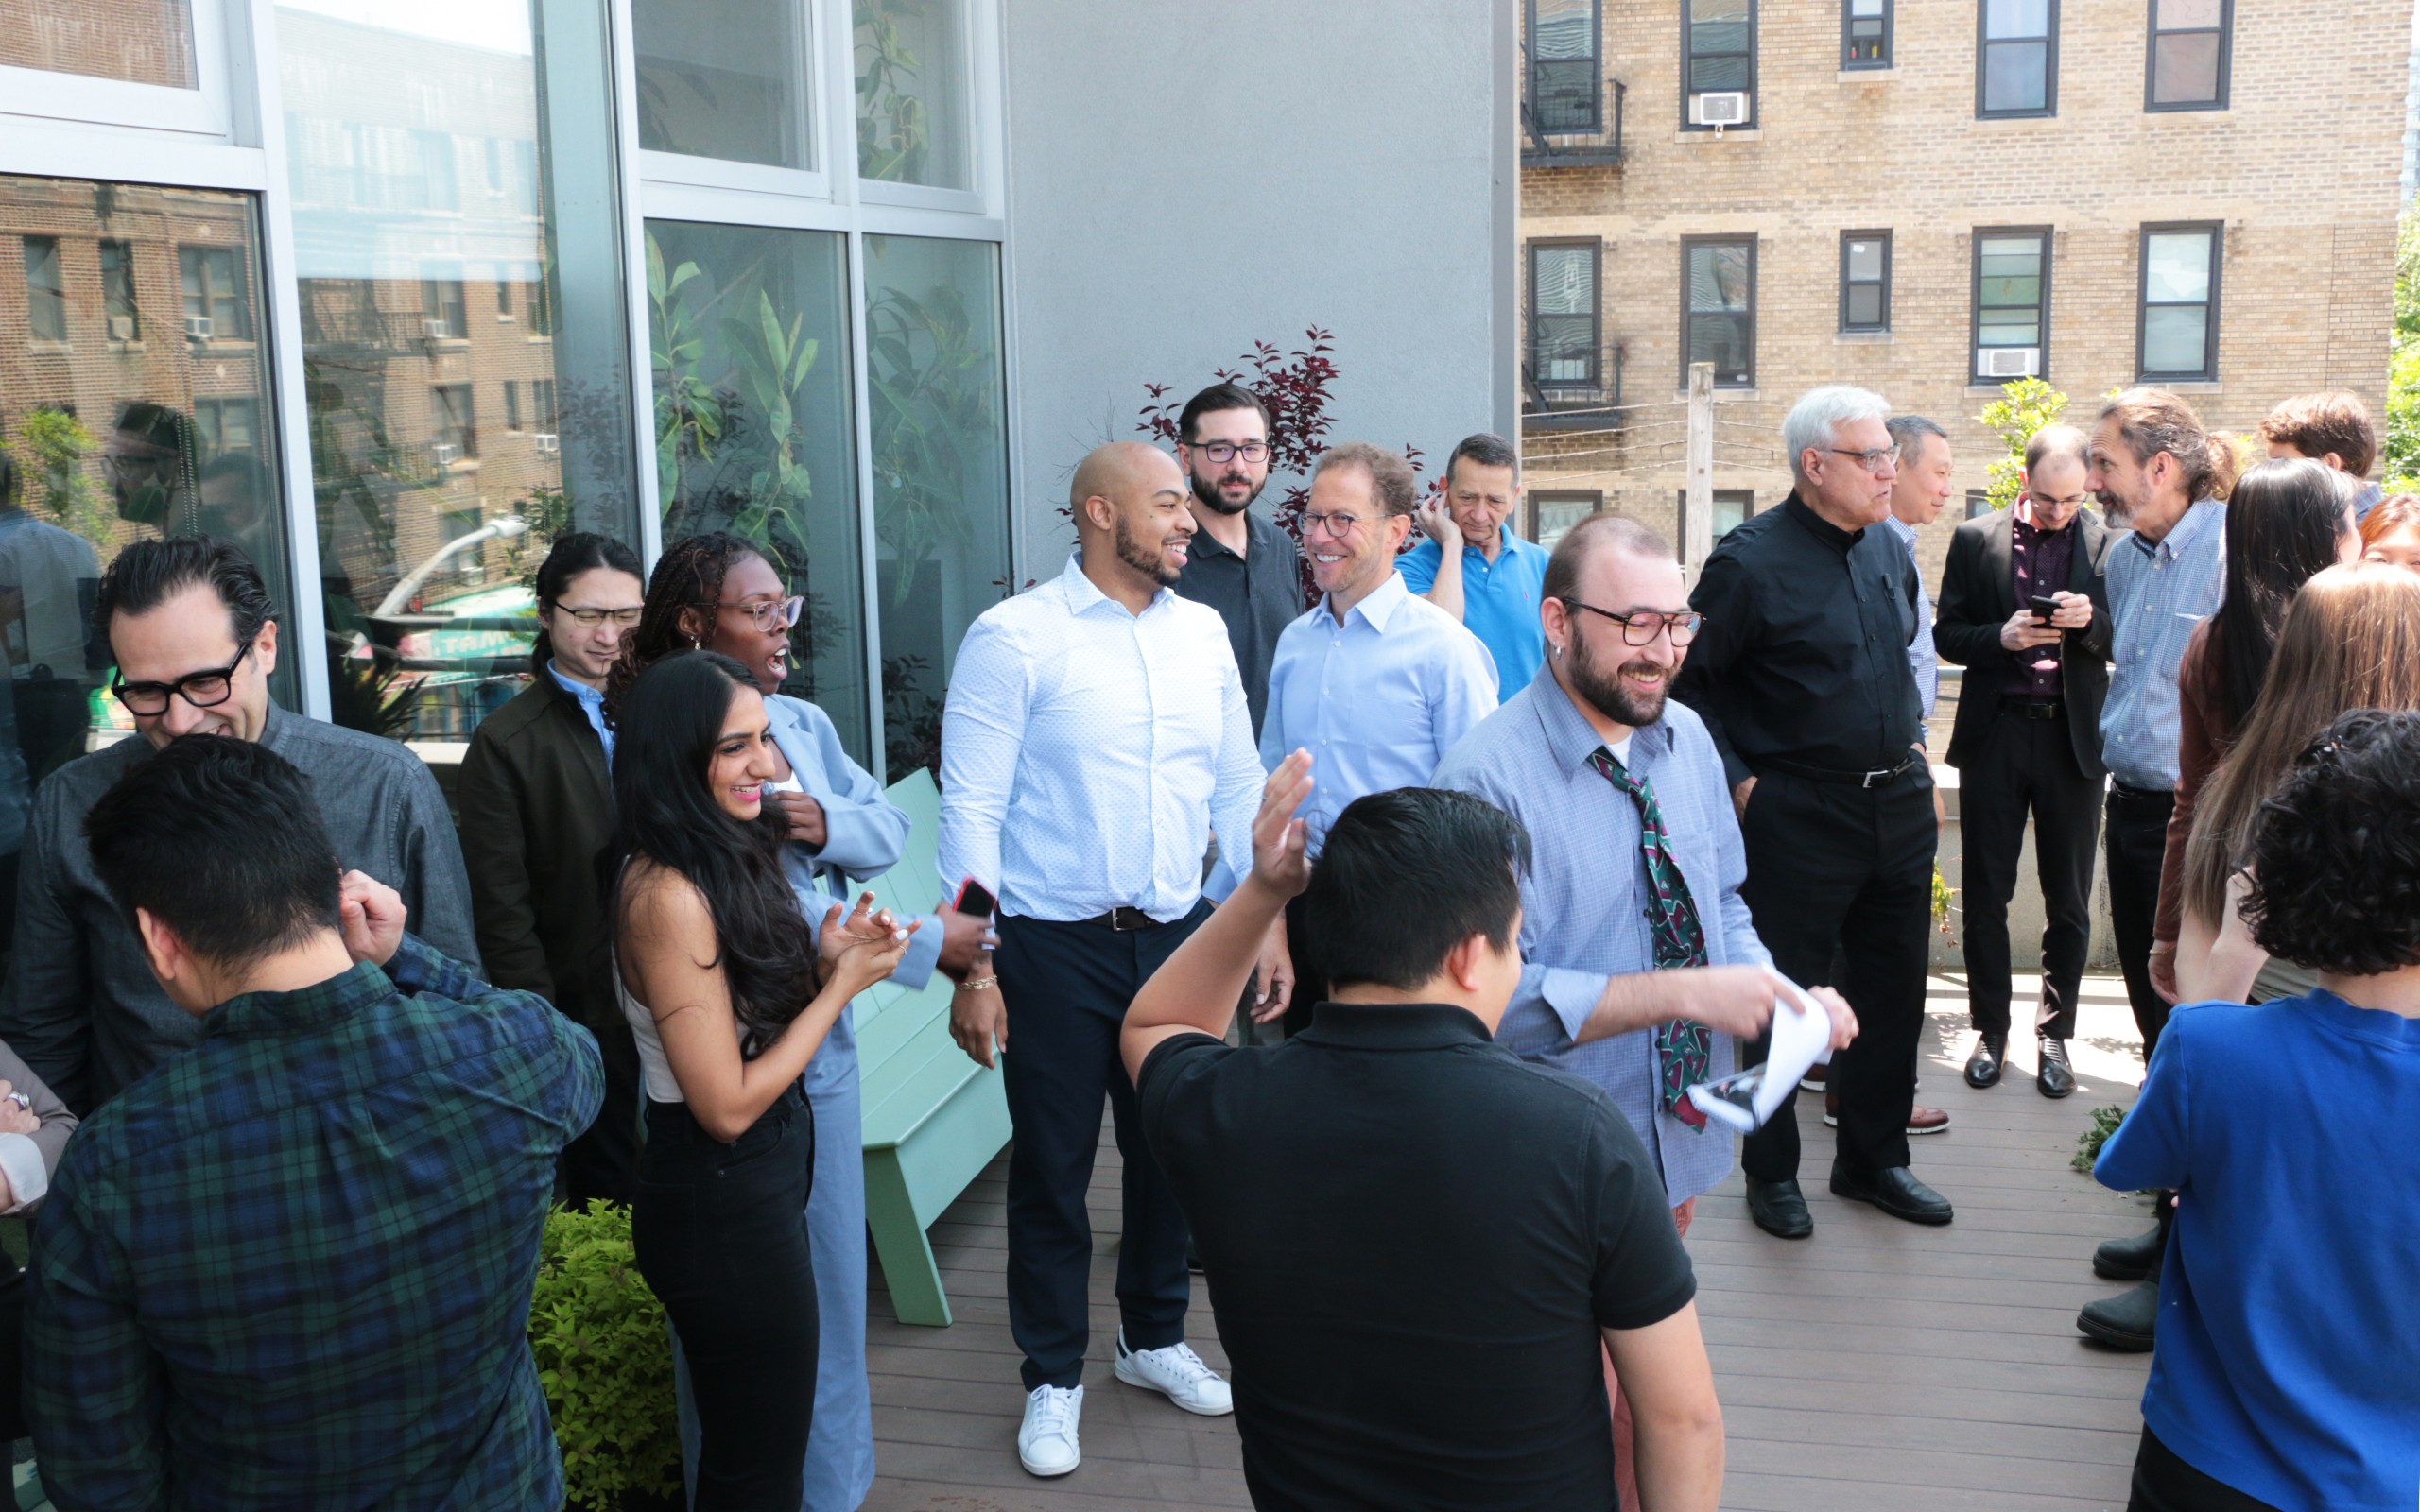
(1499, 602)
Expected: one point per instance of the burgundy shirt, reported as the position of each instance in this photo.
(2043, 560)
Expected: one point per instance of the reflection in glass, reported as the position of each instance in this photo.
(453, 193)
(142, 42)
(1563, 327)
(2016, 55)
(941, 497)
(1719, 45)
(749, 332)
(2177, 303)
(723, 81)
(912, 92)
(2009, 292)
(1719, 291)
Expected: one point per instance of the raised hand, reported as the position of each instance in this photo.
(370, 915)
(1279, 840)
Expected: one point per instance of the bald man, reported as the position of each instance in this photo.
(1096, 733)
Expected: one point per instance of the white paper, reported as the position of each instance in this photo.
(1802, 1038)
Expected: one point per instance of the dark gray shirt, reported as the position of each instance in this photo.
(1258, 594)
(82, 1005)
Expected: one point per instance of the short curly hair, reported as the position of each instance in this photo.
(2336, 856)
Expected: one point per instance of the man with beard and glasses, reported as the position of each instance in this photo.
(1639, 960)
(1242, 565)
(1096, 730)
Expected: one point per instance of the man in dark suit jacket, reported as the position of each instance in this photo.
(2028, 735)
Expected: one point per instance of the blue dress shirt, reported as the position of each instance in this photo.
(1923, 659)
(1499, 601)
(1377, 701)
(2157, 594)
(591, 703)
(1583, 903)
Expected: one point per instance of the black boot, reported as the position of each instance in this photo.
(2126, 1321)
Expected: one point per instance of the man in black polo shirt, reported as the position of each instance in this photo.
(1242, 565)
(1418, 1246)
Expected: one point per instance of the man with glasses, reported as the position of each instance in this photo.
(194, 637)
(1242, 565)
(1802, 677)
(1376, 685)
(2027, 738)
(1475, 567)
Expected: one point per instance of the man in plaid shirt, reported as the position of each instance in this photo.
(291, 1266)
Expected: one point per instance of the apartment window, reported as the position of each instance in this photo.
(117, 291)
(442, 314)
(504, 298)
(454, 433)
(1564, 351)
(541, 405)
(1732, 507)
(1567, 94)
(214, 293)
(2177, 328)
(2017, 63)
(1719, 308)
(1865, 280)
(2012, 300)
(224, 425)
(512, 404)
(1979, 504)
(1718, 56)
(1865, 33)
(45, 290)
(1553, 511)
(2187, 66)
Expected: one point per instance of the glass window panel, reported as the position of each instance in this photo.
(1865, 7)
(941, 498)
(1865, 305)
(912, 125)
(728, 80)
(1732, 506)
(2176, 266)
(2173, 338)
(2011, 328)
(1563, 28)
(1865, 260)
(45, 290)
(430, 531)
(1718, 278)
(749, 328)
(1703, 11)
(2176, 14)
(1566, 280)
(1566, 349)
(2016, 75)
(1558, 512)
(1711, 76)
(2185, 69)
(118, 302)
(143, 41)
(2004, 19)
(1720, 339)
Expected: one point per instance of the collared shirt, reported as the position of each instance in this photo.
(1377, 701)
(51, 571)
(2042, 560)
(2157, 594)
(2365, 500)
(1258, 594)
(1499, 600)
(1414, 1312)
(1803, 657)
(1923, 659)
(1087, 752)
(1583, 902)
(864, 832)
(591, 703)
(291, 1267)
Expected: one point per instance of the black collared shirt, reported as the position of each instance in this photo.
(1804, 655)
(1411, 1239)
(1258, 594)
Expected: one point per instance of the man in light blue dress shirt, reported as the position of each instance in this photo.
(1492, 577)
(1377, 684)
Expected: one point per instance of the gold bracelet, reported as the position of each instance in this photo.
(979, 983)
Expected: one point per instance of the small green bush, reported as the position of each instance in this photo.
(2088, 1143)
(605, 1361)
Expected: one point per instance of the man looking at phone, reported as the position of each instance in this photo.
(2025, 607)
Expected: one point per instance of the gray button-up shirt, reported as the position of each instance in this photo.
(1583, 903)
(83, 1006)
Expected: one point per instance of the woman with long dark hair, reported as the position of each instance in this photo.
(536, 808)
(720, 975)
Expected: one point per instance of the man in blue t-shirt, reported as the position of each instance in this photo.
(1491, 580)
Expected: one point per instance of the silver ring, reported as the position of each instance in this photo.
(22, 1101)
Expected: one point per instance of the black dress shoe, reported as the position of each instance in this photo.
(1894, 1189)
(1983, 1065)
(2056, 1078)
(2125, 1321)
(1779, 1209)
(2130, 1258)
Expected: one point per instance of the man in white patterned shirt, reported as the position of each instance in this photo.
(1096, 733)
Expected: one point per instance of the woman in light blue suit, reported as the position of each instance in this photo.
(719, 592)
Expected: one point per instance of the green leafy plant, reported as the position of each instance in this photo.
(2024, 408)
(691, 418)
(2088, 1143)
(370, 695)
(931, 377)
(598, 1333)
(894, 130)
(1944, 896)
(55, 443)
(2402, 443)
(547, 509)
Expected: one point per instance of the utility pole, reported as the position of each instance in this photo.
(1697, 516)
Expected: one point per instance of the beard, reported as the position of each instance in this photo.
(1206, 491)
(1605, 693)
(1152, 564)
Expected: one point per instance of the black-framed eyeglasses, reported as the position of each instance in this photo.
(588, 619)
(1335, 523)
(203, 690)
(1641, 626)
(1872, 461)
(1229, 451)
(765, 614)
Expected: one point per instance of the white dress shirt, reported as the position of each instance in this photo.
(1087, 752)
(1377, 701)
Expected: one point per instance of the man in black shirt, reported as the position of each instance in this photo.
(1418, 1315)
(1801, 674)
(1242, 565)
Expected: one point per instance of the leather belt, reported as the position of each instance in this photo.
(1878, 778)
(1124, 921)
(2139, 794)
(2033, 709)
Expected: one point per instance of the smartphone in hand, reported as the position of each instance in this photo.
(2043, 606)
(974, 898)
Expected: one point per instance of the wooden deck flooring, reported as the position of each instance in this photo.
(1877, 1367)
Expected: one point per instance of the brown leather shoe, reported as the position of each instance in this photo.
(1920, 1120)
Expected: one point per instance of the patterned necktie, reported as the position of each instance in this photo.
(1681, 1048)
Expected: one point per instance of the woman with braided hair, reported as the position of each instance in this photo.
(719, 593)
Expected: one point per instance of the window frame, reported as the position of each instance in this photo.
(1690, 244)
(208, 111)
(1889, 40)
(1975, 376)
(1595, 69)
(1983, 39)
(2153, 31)
(1746, 498)
(1848, 327)
(2216, 231)
(1755, 110)
(1596, 247)
(48, 298)
(1534, 503)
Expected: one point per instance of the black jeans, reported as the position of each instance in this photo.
(1066, 987)
(2137, 843)
(720, 1231)
(2163, 1483)
(1832, 865)
(2027, 763)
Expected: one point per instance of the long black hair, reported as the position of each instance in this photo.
(665, 811)
(572, 554)
(2284, 520)
(689, 573)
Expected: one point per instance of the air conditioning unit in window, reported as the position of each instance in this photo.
(197, 328)
(436, 330)
(1724, 109)
(549, 443)
(2011, 362)
(122, 328)
(446, 454)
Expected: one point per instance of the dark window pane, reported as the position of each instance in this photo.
(726, 80)
(1566, 349)
(2016, 75)
(1718, 277)
(46, 289)
(1716, 76)
(1564, 279)
(1563, 28)
(1564, 94)
(2185, 69)
(1722, 339)
(1865, 305)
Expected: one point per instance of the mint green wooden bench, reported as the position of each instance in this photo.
(933, 1118)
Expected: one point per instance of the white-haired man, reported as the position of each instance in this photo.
(1800, 673)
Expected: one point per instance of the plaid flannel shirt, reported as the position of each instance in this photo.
(291, 1266)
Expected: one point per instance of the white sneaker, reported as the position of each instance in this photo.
(1046, 1439)
(1179, 1374)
